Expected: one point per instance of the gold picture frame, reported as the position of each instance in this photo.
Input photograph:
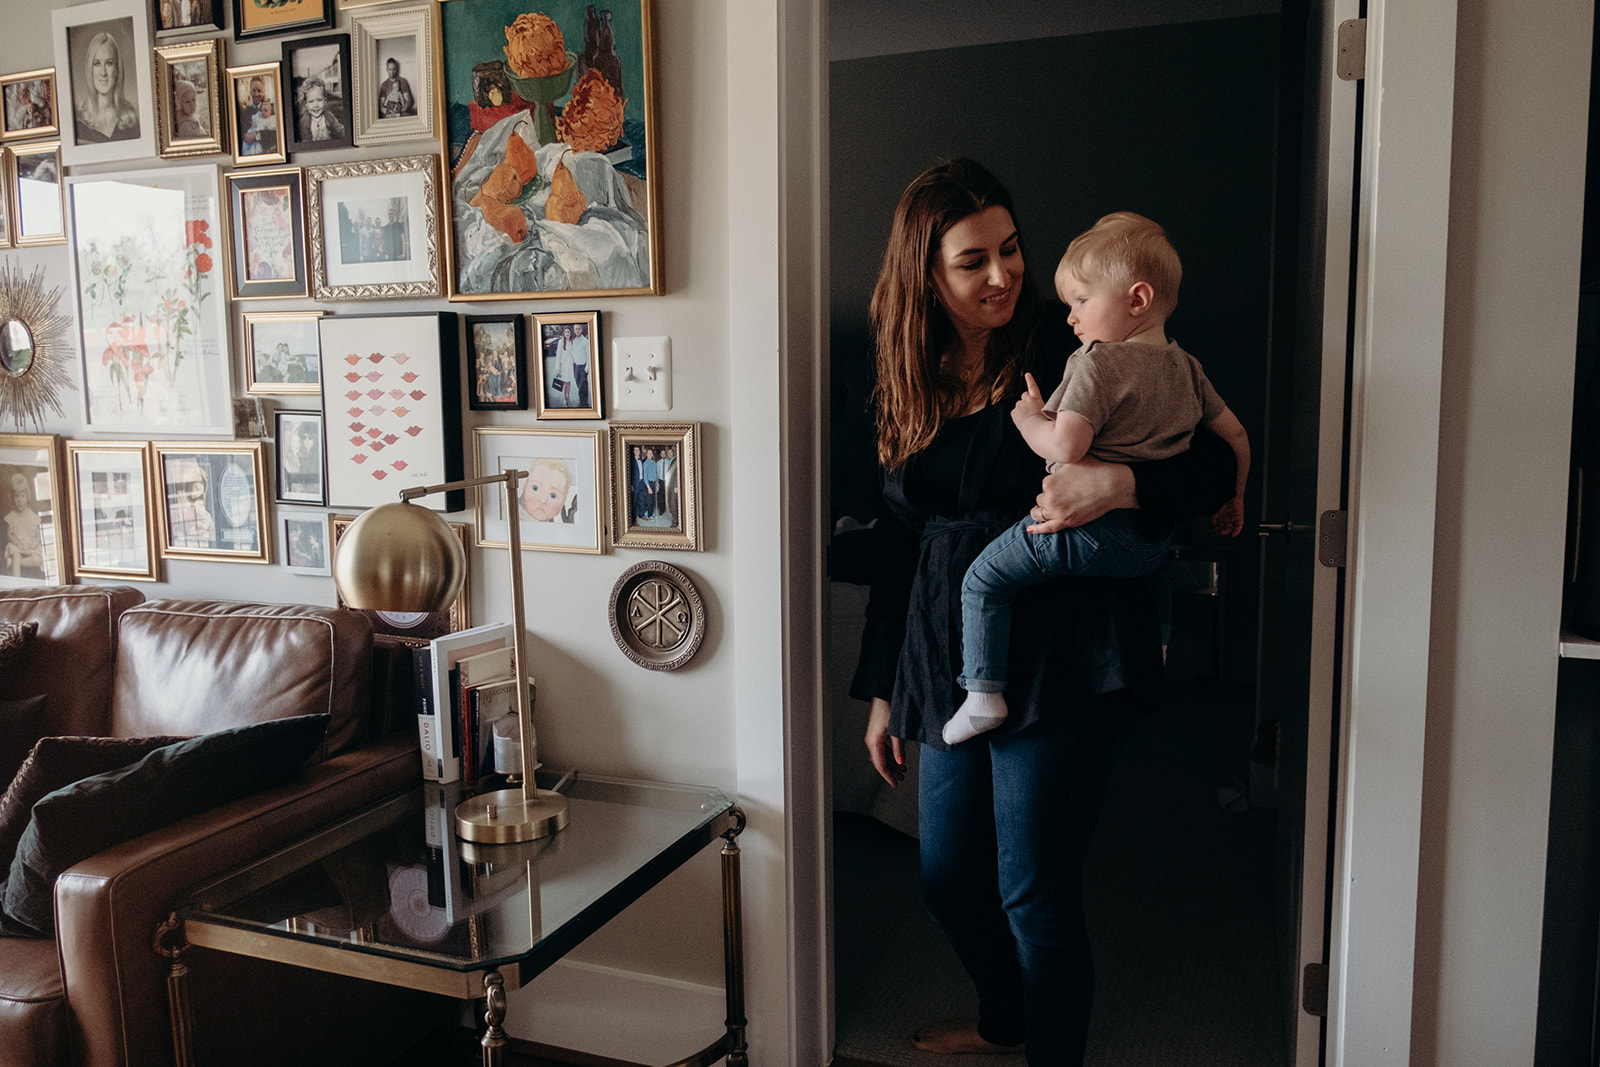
(188, 99)
(416, 628)
(37, 194)
(272, 364)
(213, 501)
(32, 549)
(652, 507)
(567, 351)
(256, 120)
(352, 256)
(112, 511)
(22, 114)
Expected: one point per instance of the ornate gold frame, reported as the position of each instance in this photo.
(46, 446)
(209, 50)
(318, 178)
(684, 534)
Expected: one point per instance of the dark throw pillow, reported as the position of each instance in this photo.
(168, 784)
(14, 637)
(21, 723)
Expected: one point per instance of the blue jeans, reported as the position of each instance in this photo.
(1005, 826)
(1109, 547)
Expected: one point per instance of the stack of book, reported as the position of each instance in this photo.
(464, 685)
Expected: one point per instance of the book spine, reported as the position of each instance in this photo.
(460, 712)
(427, 721)
(449, 754)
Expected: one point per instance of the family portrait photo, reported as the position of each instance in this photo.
(569, 358)
(284, 352)
(374, 231)
(494, 350)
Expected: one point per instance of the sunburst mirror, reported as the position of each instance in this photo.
(33, 360)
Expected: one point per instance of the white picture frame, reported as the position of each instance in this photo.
(391, 106)
(118, 122)
(574, 520)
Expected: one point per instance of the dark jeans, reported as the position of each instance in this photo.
(1005, 826)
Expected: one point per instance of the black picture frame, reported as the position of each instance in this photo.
(486, 387)
(303, 48)
(312, 15)
(166, 18)
(302, 459)
(284, 182)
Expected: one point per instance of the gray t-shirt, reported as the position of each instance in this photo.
(1143, 401)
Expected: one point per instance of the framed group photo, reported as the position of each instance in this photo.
(188, 105)
(318, 72)
(112, 510)
(417, 628)
(102, 53)
(496, 370)
(306, 548)
(655, 485)
(282, 353)
(36, 194)
(212, 502)
(374, 228)
(153, 362)
(392, 52)
(575, 212)
(267, 209)
(569, 385)
(302, 460)
(28, 105)
(32, 548)
(560, 503)
(256, 96)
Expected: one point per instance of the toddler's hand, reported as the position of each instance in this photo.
(1030, 404)
(1229, 519)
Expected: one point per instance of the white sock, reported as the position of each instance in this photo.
(979, 712)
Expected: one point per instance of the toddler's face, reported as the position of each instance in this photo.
(544, 494)
(1098, 310)
(316, 100)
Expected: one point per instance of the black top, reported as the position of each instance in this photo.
(1071, 637)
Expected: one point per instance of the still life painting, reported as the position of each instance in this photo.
(151, 303)
(549, 132)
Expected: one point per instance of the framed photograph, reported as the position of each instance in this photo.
(392, 401)
(29, 101)
(188, 100)
(374, 228)
(213, 505)
(249, 420)
(302, 462)
(417, 627)
(559, 504)
(393, 52)
(496, 370)
(551, 192)
(569, 365)
(267, 211)
(318, 69)
(306, 548)
(269, 18)
(256, 96)
(8, 223)
(655, 485)
(151, 304)
(112, 510)
(102, 51)
(282, 353)
(176, 17)
(36, 194)
(32, 551)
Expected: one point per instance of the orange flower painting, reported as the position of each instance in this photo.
(549, 146)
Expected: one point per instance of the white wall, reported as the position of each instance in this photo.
(719, 720)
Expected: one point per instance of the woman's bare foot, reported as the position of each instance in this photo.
(953, 1036)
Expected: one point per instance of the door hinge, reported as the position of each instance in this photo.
(1314, 990)
(1351, 64)
(1331, 538)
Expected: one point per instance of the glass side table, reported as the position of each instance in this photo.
(392, 895)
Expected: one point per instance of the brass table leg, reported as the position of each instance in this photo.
(494, 1013)
(170, 944)
(733, 940)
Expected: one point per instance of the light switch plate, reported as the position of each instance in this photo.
(641, 369)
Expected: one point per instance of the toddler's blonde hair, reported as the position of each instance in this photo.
(1123, 248)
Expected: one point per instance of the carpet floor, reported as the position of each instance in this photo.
(1180, 904)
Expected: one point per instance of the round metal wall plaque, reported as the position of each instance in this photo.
(657, 616)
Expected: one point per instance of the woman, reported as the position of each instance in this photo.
(957, 321)
(103, 111)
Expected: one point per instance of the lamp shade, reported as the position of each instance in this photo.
(399, 557)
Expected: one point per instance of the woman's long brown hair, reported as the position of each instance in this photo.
(912, 397)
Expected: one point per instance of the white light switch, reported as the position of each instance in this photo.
(641, 369)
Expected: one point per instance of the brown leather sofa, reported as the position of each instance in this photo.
(117, 666)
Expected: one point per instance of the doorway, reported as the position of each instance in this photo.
(1192, 144)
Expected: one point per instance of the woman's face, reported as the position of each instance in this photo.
(544, 494)
(977, 270)
(103, 68)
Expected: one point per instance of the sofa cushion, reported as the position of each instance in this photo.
(33, 1003)
(168, 784)
(57, 762)
(21, 723)
(72, 657)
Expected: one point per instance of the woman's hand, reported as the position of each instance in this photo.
(1082, 492)
(888, 758)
